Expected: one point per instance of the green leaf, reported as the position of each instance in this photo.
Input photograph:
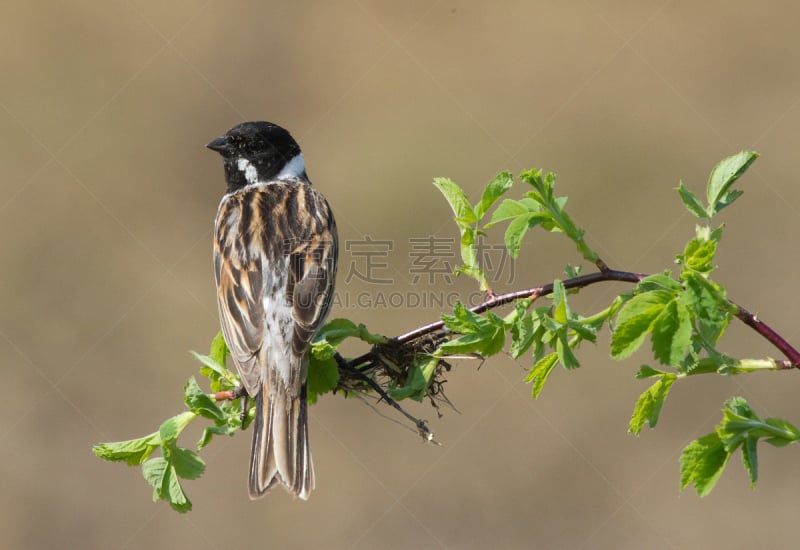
(750, 458)
(210, 431)
(474, 273)
(323, 377)
(784, 432)
(522, 330)
(174, 492)
(708, 304)
(457, 199)
(508, 209)
(200, 403)
(699, 255)
(334, 332)
(154, 471)
(565, 355)
(337, 330)
(691, 202)
(703, 460)
(214, 366)
(723, 176)
(646, 371)
(672, 334)
(161, 475)
(463, 321)
(517, 229)
(634, 321)
(219, 350)
(419, 379)
(728, 199)
(539, 373)
(210, 364)
(561, 311)
(572, 271)
(706, 365)
(659, 281)
(648, 406)
(702, 463)
(172, 427)
(484, 335)
(132, 451)
(187, 463)
(470, 257)
(493, 191)
(467, 343)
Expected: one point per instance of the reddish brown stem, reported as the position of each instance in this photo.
(230, 395)
(772, 337)
(497, 300)
(605, 274)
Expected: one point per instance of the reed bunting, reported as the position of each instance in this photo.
(275, 255)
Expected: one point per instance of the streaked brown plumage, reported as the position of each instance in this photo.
(275, 255)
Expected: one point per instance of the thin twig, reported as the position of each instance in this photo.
(422, 427)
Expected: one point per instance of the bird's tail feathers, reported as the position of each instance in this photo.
(280, 451)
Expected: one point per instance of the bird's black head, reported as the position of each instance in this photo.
(255, 152)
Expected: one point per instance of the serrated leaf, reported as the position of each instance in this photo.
(672, 334)
(210, 431)
(210, 363)
(659, 281)
(484, 335)
(174, 492)
(457, 199)
(172, 427)
(699, 255)
(572, 271)
(788, 432)
(728, 199)
(646, 371)
(508, 209)
(200, 403)
(493, 191)
(561, 311)
(419, 378)
(691, 202)
(702, 463)
(522, 333)
(539, 373)
(707, 302)
(706, 365)
(154, 471)
(750, 459)
(323, 377)
(517, 229)
(723, 176)
(634, 321)
(648, 406)
(585, 331)
(498, 338)
(219, 349)
(132, 451)
(187, 463)
(565, 355)
(337, 330)
(463, 321)
(466, 343)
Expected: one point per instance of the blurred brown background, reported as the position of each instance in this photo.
(107, 203)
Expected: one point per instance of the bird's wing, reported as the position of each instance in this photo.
(312, 270)
(240, 286)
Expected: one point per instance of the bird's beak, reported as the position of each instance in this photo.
(220, 145)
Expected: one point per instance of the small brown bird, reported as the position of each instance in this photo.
(275, 256)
